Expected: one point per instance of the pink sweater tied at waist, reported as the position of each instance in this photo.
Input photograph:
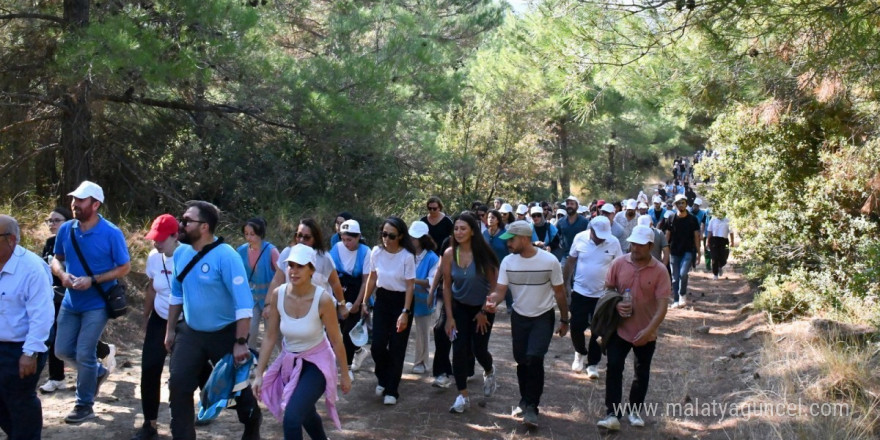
(282, 376)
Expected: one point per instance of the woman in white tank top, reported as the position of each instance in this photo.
(306, 368)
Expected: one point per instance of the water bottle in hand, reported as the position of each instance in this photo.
(627, 299)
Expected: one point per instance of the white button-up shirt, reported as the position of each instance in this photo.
(26, 310)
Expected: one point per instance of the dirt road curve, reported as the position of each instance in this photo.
(691, 365)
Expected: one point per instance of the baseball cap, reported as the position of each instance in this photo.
(641, 235)
(698, 201)
(609, 208)
(350, 226)
(560, 212)
(522, 209)
(536, 210)
(643, 205)
(631, 204)
(573, 198)
(162, 228)
(301, 254)
(418, 229)
(645, 220)
(505, 208)
(679, 197)
(657, 199)
(518, 228)
(602, 227)
(88, 189)
(582, 209)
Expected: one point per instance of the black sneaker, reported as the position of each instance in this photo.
(530, 417)
(80, 414)
(252, 427)
(147, 432)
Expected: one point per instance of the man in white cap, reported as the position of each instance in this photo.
(591, 254)
(607, 210)
(657, 211)
(660, 249)
(535, 281)
(683, 236)
(627, 219)
(571, 225)
(648, 284)
(83, 313)
(26, 315)
(701, 214)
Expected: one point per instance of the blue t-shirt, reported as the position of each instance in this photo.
(215, 293)
(567, 231)
(498, 244)
(103, 248)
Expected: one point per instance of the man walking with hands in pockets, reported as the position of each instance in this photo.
(535, 280)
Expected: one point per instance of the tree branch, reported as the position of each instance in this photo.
(15, 163)
(33, 16)
(29, 121)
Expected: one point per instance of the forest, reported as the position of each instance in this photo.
(287, 108)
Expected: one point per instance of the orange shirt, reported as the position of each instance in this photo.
(650, 288)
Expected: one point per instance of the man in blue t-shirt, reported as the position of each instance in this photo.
(570, 225)
(217, 305)
(83, 313)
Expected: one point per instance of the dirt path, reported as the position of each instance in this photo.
(692, 365)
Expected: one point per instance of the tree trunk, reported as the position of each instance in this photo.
(609, 174)
(76, 120)
(564, 159)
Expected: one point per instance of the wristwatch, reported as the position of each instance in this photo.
(30, 354)
(407, 311)
(241, 341)
(564, 321)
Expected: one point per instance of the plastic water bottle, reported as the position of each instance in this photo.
(348, 306)
(628, 299)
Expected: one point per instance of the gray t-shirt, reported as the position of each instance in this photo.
(469, 287)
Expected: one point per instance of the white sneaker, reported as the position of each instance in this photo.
(578, 364)
(461, 403)
(636, 420)
(351, 375)
(380, 390)
(442, 381)
(489, 383)
(110, 361)
(358, 360)
(419, 369)
(674, 305)
(390, 400)
(592, 372)
(610, 423)
(682, 301)
(53, 385)
(715, 277)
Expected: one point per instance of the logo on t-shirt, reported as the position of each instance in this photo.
(205, 268)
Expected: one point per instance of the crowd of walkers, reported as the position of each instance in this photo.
(609, 267)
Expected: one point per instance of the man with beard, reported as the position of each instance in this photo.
(570, 225)
(628, 220)
(683, 236)
(83, 313)
(218, 307)
(535, 280)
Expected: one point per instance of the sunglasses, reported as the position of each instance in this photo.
(389, 235)
(537, 215)
(53, 221)
(433, 208)
(185, 221)
(303, 236)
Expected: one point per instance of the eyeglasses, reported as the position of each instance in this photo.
(303, 236)
(52, 221)
(433, 208)
(389, 235)
(186, 221)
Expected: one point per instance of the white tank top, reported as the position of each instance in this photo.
(301, 334)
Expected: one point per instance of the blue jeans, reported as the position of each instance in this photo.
(21, 415)
(681, 265)
(75, 342)
(300, 412)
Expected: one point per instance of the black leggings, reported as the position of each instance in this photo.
(469, 343)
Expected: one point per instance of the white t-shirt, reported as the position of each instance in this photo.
(392, 270)
(161, 277)
(349, 258)
(530, 281)
(719, 227)
(593, 262)
(323, 267)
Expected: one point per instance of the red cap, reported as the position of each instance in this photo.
(600, 203)
(163, 226)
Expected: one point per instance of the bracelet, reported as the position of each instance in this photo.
(564, 321)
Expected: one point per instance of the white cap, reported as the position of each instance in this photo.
(645, 220)
(536, 210)
(657, 199)
(631, 204)
(641, 235)
(679, 197)
(698, 201)
(573, 198)
(582, 209)
(601, 227)
(609, 208)
(522, 209)
(88, 189)
(350, 226)
(301, 254)
(505, 208)
(560, 212)
(418, 229)
(643, 205)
